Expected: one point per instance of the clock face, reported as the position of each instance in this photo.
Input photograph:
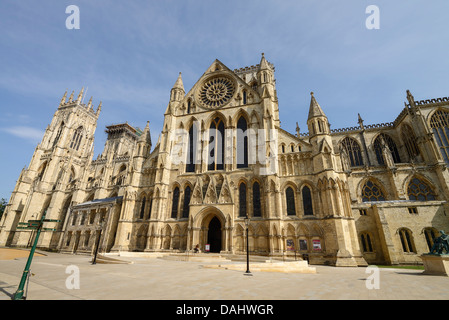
(216, 92)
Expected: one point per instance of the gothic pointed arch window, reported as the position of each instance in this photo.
(254, 85)
(257, 206)
(430, 234)
(391, 146)
(216, 145)
(440, 126)
(419, 190)
(245, 97)
(353, 150)
(242, 200)
(307, 201)
(406, 238)
(58, 134)
(64, 212)
(175, 202)
(192, 148)
(367, 244)
(242, 143)
(372, 192)
(189, 106)
(142, 208)
(76, 139)
(186, 207)
(409, 140)
(290, 199)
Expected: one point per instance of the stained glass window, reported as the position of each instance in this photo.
(256, 200)
(242, 200)
(174, 209)
(353, 150)
(420, 191)
(307, 201)
(440, 126)
(58, 134)
(142, 208)
(366, 242)
(216, 145)
(409, 139)
(76, 139)
(372, 192)
(191, 149)
(242, 143)
(390, 144)
(290, 197)
(186, 208)
(406, 240)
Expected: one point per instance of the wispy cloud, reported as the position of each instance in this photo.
(27, 133)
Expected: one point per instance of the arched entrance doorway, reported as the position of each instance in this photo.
(209, 227)
(214, 235)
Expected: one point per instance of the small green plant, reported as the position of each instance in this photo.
(3, 204)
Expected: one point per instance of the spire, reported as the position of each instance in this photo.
(315, 109)
(177, 92)
(145, 136)
(63, 100)
(99, 109)
(71, 96)
(80, 95)
(178, 83)
(264, 63)
(89, 105)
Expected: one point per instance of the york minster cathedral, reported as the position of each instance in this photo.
(223, 166)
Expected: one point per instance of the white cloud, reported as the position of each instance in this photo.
(28, 133)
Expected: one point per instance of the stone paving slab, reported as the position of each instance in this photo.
(160, 279)
(10, 254)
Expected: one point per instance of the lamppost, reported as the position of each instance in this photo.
(247, 273)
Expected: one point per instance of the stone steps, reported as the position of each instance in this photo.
(109, 260)
(278, 266)
(199, 257)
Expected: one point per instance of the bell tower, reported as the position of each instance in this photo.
(56, 168)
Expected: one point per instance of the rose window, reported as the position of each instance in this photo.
(217, 92)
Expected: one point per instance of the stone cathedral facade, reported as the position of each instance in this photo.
(345, 197)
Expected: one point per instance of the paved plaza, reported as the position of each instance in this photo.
(55, 277)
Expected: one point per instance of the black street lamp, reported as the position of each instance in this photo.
(247, 273)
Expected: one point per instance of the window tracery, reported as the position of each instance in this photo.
(391, 146)
(372, 192)
(420, 191)
(353, 151)
(440, 126)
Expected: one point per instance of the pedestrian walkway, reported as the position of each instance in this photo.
(151, 278)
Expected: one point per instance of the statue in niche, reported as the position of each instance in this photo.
(345, 160)
(386, 153)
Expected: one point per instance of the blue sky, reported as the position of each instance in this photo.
(128, 55)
